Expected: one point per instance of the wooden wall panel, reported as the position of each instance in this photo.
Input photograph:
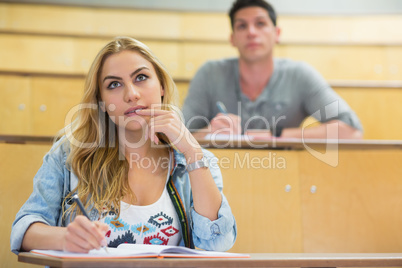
(37, 105)
(19, 164)
(36, 54)
(213, 27)
(196, 54)
(379, 110)
(340, 62)
(73, 55)
(137, 23)
(69, 55)
(372, 29)
(393, 56)
(49, 41)
(51, 101)
(84, 52)
(313, 29)
(15, 94)
(182, 89)
(46, 19)
(364, 29)
(268, 217)
(170, 54)
(356, 206)
(62, 20)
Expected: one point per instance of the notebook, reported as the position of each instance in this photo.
(142, 251)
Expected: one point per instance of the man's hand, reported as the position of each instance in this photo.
(229, 124)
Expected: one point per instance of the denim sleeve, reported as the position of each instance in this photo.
(220, 234)
(44, 204)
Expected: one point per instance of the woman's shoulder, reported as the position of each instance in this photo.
(60, 149)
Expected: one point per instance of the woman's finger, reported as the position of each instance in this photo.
(152, 112)
(76, 243)
(167, 124)
(88, 231)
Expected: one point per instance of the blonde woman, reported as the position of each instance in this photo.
(140, 174)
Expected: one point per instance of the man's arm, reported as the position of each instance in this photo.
(324, 104)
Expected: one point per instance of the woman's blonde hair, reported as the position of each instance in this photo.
(94, 149)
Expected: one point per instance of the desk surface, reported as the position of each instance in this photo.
(301, 144)
(256, 260)
(276, 143)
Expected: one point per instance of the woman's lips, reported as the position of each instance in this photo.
(133, 111)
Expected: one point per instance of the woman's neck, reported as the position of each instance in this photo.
(142, 153)
(147, 174)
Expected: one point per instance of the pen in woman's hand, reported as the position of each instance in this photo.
(81, 206)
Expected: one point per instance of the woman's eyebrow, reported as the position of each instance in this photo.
(131, 75)
(111, 77)
(138, 70)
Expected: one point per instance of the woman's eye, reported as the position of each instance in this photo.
(113, 85)
(141, 77)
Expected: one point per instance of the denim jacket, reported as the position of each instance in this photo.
(54, 181)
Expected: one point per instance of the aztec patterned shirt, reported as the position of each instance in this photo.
(156, 224)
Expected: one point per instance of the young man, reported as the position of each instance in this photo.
(264, 96)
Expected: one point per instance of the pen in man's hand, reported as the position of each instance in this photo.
(221, 107)
(81, 206)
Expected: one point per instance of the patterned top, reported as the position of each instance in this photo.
(156, 224)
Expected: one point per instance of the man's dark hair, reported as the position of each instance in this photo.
(240, 4)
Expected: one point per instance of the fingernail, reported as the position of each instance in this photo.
(104, 243)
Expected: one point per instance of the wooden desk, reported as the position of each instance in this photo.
(299, 144)
(256, 260)
(288, 199)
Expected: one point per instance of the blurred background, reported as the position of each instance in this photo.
(46, 48)
(305, 7)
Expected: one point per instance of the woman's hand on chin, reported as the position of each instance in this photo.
(169, 123)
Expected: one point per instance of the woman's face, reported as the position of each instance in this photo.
(128, 82)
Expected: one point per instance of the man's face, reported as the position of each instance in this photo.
(254, 34)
